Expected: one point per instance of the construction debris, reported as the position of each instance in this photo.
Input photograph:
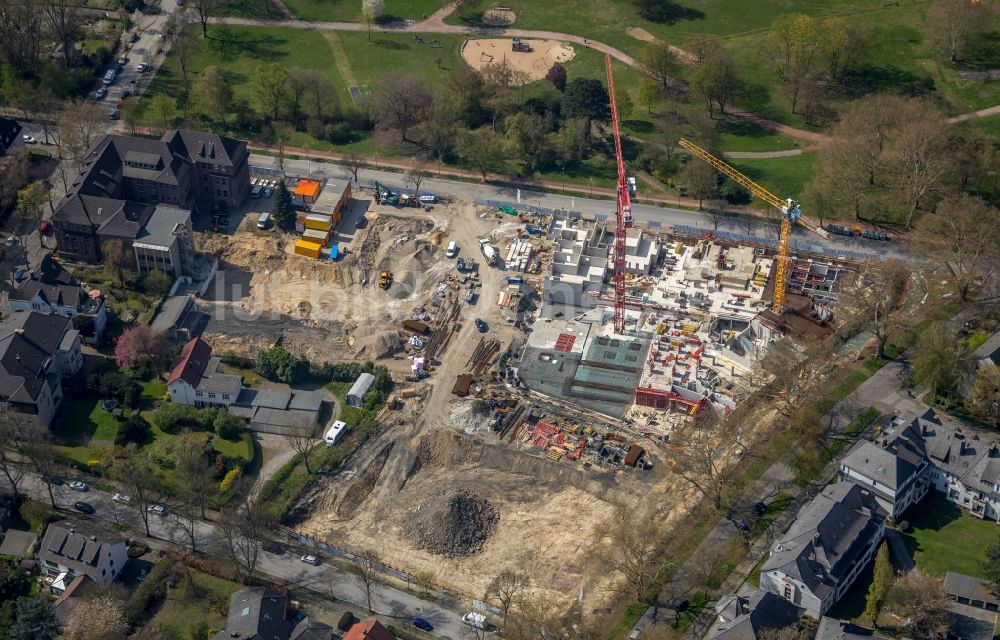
(453, 524)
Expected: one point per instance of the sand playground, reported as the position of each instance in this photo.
(536, 62)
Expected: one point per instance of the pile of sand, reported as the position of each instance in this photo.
(453, 524)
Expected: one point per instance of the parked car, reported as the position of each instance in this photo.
(29, 139)
(9, 242)
(56, 480)
(122, 498)
(84, 507)
(422, 624)
(268, 192)
(273, 547)
(126, 93)
(157, 509)
(313, 560)
(77, 485)
(253, 182)
(122, 60)
(109, 77)
(142, 67)
(481, 325)
(20, 275)
(101, 94)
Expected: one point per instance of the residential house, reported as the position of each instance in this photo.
(831, 541)
(370, 629)
(36, 352)
(10, 135)
(197, 378)
(833, 629)
(50, 288)
(130, 188)
(73, 548)
(165, 242)
(260, 613)
(962, 467)
(745, 615)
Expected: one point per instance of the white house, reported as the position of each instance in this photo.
(832, 539)
(72, 548)
(52, 289)
(198, 381)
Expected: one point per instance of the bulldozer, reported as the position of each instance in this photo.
(384, 279)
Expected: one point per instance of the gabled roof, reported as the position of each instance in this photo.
(192, 363)
(77, 545)
(833, 629)
(206, 147)
(25, 354)
(744, 615)
(257, 613)
(963, 586)
(49, 271)
(59, 295)
(9, 131)
(368, 630)
(885, 467)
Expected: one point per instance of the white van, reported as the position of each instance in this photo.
(452, 249)
(474, 619)
(264, 220)
(335, 433)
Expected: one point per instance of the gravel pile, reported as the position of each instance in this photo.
(453, 524)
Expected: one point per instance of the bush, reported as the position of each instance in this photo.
(228, 426)
(232, 476)
(134, 429)
(157, 282)
(233, 359)
(172, 418)
(151, 590)
(278, 364)
(117, 385)
(346, 621)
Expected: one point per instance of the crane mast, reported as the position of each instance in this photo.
(623, 210)
(790, 213)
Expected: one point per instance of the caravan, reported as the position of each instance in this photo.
(335, 433)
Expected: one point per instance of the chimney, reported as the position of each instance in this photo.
(923, 428)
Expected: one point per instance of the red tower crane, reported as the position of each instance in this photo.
(623, 211)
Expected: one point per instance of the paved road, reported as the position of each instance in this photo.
(324, 579)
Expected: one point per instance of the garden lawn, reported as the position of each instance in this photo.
(350, 10)
(946, 538)
(242, 448)
(86, 421)
(784, 177)
(181, 610)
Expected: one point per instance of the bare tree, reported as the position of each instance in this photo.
(319, 92)
(873, 301)
(354, 162)
(183, 49)
(372, 10)
(63, 20)
(134, 470)
(205, 9)
(243, 530)
(36, 447)
(922, 602)
(415, 176)
(506, 589)
(425, 580)
(625, 544)
(660, 62)
(400, 101)
(963, 237)
(920, 150)
(101, 617)
(303, 445)
(368, 564)
(11, 436)
(699, 181)
(953, 23)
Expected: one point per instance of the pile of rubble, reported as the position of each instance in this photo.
(452, 524)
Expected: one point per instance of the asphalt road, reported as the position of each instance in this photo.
(324, 579)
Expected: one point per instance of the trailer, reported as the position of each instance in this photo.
(857, 230)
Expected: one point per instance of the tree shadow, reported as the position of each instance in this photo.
(394, 45)
(639, 126)
(878, 79)
(232, 45)
(983, 54)
(666, 12)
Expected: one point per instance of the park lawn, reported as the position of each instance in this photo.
(946, 538)
(87, 421)
(182, 610)
(785, 177)
(740, 135)
(257, 9)
(350, 10)
(242, 448)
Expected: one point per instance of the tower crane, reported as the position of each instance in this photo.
(623, 210)
(790, 213)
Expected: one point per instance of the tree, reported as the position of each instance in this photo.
(99, 618)
(873, 301)
(400, 100)
(841, 45)
(951, 24)
(557, 76)
(320, 92)
(424, 580)
(270, 86)
(482, 150)
(133, 470)
(624, 544)
(65, 24)
(116, 260)
(194, 473)
(586, 98)
(699, 180)
(983, 400)
(415, 176)
(212, 93)
(354, 162)
(920, 151)
(140, 348)
(369, 565)
(624, 103)
(205, 9)
(30, 201)
(164, 107)
(941, 359)
(506, 589)
(372, 10)
(794, 41)
(963, 237)
(227, 426)
(34, 619)
(183, 48)
(714, 77)
(157, 282)
(660, 62)
(990, 565)
(921, 601)
(36, 446)
(243, 529)
(878, 590)
(303, 445)
(135, 429)
(12, 427)
(649, 94)
(283, 212)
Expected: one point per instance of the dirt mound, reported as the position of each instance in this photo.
(445, 448)
(453, 524)
(375, 346)
(470, 415)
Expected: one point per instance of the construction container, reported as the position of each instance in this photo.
(307, 249)
(318, 221)
(417, 327)
(318, 236)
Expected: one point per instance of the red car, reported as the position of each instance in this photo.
(45, 227)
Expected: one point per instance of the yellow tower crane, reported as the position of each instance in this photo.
(790, 212)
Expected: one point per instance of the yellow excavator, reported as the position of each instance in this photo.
(384, 279)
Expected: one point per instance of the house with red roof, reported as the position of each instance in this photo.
(197, 379)
(370, 629)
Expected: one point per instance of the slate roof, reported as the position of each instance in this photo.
(827, 537)
(192, 363)
(881, 465)
(159, 229)
(214, 382)
(25, 353)
(60, 295)
(744, 615)
(833, 629)
(9, 131)
(206, 147)
(258, 613)
(49, 271)
(77, 545)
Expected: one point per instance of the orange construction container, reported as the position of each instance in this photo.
(308, 190)
(308, 249)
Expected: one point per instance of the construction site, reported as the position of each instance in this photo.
(543, 360)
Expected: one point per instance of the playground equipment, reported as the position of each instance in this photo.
(520, 46)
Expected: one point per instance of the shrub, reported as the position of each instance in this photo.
(117, 385)
(278, 364)
(346, 621)
(134, 429)
(228, 426)
(174, 417)
(157, 282)
(232, 476)
(233, 359)
(150, 591)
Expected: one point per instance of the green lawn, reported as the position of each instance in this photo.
(86, 421)
(242, 448)
(739, 135)
(785, 177)
(350, 10)
(946, 538)
(155, 388)
(184, 608)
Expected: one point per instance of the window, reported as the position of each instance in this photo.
(199, 394)
(225, 396)
(212, 395)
